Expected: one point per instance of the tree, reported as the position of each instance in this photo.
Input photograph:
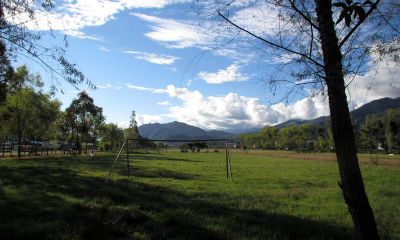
(391, 126)
(133, 123)
(132, 132)
(371, 132)
(268, 137)
(111, 136)
(16, 39)
(325, 53)
(83, 120)
(28, 114)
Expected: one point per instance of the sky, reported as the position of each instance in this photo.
(163, 60)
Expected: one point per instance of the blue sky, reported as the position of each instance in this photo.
(160, 59)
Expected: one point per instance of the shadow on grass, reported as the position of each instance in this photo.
(161, 174)
(159, 157)
(55, 203)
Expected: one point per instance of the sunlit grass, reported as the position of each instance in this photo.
(173, 195)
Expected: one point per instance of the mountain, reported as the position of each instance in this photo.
(357, 116)
(178, 130)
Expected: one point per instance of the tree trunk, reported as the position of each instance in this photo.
(351, 183)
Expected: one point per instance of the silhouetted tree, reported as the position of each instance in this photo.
(325, 53)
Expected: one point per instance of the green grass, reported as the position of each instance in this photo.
(175, 195)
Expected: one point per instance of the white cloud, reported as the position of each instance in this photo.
(104, 49)
(123, 124)
(284, 58)
(140, 88)
(230, 74)
(381, 81)
(164, 103)
(260, 19)
(145, 118)
(142, 119)
(176, 34)
(160, 59)
(108, 86)
(233, 111)
(73, 16)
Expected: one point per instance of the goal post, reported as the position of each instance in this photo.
(144, 145)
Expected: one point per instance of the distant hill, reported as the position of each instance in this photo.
(178, 130)
(357, 116)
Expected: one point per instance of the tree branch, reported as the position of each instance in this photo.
(269, 42)
(303, 15)
(373, 7)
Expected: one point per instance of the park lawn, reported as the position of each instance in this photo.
(173, 195)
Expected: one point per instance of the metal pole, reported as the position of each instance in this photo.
(226, 160)
(115, 161)
(127, 155)
(230, 166)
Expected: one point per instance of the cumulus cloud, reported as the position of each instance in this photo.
(160, 59)
(145, 119)
(230, 74)
(142, 119)
(73, 16)
(381, 81)
(233, 111)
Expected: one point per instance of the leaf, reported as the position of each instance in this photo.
(342, 14)
(347, 20)
(349, 2)
(340, 4)
(360, 12)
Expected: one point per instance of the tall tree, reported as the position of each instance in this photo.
(22, 102)
(132, 132)
(83, 120)
(29, 115)
(325, 53)
(133, 123)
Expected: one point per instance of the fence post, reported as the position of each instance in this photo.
(127, 155)
(226, 160)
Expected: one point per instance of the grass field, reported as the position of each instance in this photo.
(173, 195)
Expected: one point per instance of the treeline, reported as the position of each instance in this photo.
(30, 117)
(378, 132)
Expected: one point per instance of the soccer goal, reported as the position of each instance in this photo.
(130, 147)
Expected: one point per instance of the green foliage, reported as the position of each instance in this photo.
(83, 119)
(372, 132)
(111, 137)
(377, 129)
(304, 137)
(381, 129)
(28, 114)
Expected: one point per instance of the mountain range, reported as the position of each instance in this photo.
(357, 116)
(178, 130)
